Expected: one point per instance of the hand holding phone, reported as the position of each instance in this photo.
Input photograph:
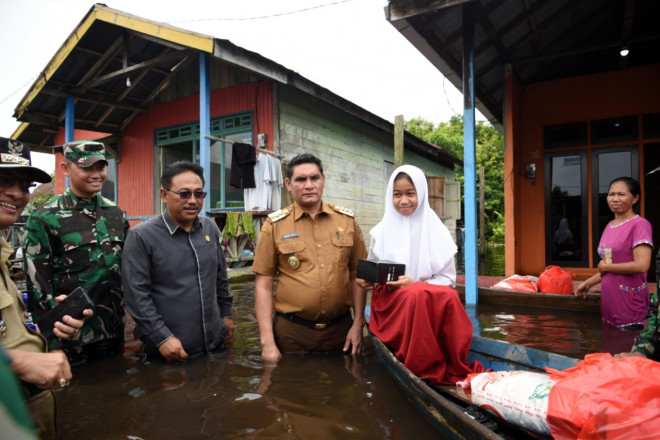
(73, 305)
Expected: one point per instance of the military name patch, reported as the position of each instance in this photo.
(292, 235)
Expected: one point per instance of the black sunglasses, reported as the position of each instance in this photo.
(185, 194)
(7, 181)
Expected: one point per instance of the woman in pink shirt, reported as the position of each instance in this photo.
(625, 250)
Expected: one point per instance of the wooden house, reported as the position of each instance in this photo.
(574, 86)
(154, 93)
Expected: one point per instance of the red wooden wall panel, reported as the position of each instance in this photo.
(135, 179)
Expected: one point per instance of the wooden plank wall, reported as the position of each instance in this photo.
(354, 154)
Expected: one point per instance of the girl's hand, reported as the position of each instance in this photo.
(366, 285)
(602, 267)
(403, 281)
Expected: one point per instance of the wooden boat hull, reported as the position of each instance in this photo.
(488, 295)
(444, 413)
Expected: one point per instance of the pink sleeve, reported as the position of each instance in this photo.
(643, 234)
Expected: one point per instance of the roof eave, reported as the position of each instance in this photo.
(101, 12)
(453, 74)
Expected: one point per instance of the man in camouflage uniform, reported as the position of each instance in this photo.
(76, 239)
(647, 344)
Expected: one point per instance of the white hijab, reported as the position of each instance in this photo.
(421, 241)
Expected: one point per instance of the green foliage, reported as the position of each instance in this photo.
(39, 198)
(490, 155)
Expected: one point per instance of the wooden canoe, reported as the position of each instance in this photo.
(445, 407)
(488, 295)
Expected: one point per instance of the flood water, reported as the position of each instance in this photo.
(490, 264)
(230, 395)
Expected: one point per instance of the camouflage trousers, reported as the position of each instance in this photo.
(80, 354)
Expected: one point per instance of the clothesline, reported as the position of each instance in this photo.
(213, 138)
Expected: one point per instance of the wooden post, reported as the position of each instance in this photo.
(482, 212)
(398, 141)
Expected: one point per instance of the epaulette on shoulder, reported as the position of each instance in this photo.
(343, 210)
(67, 202)
(55, 203)
(279, 215)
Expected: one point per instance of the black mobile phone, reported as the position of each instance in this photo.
(73, 305)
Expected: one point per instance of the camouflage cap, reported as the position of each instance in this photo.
(85, 153)
(15, 155)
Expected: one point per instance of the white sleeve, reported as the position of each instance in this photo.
(372, 255)
(446, 276)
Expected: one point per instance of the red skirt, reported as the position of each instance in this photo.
(428, 329)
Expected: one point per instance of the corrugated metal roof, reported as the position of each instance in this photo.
(115, 66)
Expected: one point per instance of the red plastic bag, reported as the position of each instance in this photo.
(517, 282)
(606, 398)
(556, 280)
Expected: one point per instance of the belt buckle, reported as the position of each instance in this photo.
(320, 326)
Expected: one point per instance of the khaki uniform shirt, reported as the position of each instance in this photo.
(325, 251)
(14, 313)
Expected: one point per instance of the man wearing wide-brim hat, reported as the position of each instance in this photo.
(40, 371)
(76, 239)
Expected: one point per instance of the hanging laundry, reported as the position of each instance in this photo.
(275, 184)
(243, 159)
(257, 198)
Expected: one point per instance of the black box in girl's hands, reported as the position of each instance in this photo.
(380, 271)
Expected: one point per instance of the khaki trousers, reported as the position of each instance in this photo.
(291, 337)
(42, 410)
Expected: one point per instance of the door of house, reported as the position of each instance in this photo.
(437, 194)
(568, 203)
(608, 164)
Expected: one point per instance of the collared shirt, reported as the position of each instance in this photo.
(14, 313)
(175, 283)
(312, 259)
(77, 242)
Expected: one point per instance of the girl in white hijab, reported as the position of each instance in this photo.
(414, 237)
(419, 316)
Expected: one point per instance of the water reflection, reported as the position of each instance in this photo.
(490, 264)
(309, 397)
(230, 394)
(570, 333)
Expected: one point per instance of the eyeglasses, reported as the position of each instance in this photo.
(7, 181)
(185, 194)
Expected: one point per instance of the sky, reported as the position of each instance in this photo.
(346, 46)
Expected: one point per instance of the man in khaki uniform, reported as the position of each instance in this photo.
(313, 248)
(39, 371)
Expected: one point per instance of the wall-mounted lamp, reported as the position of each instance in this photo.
(530, 170)
(624, 51)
